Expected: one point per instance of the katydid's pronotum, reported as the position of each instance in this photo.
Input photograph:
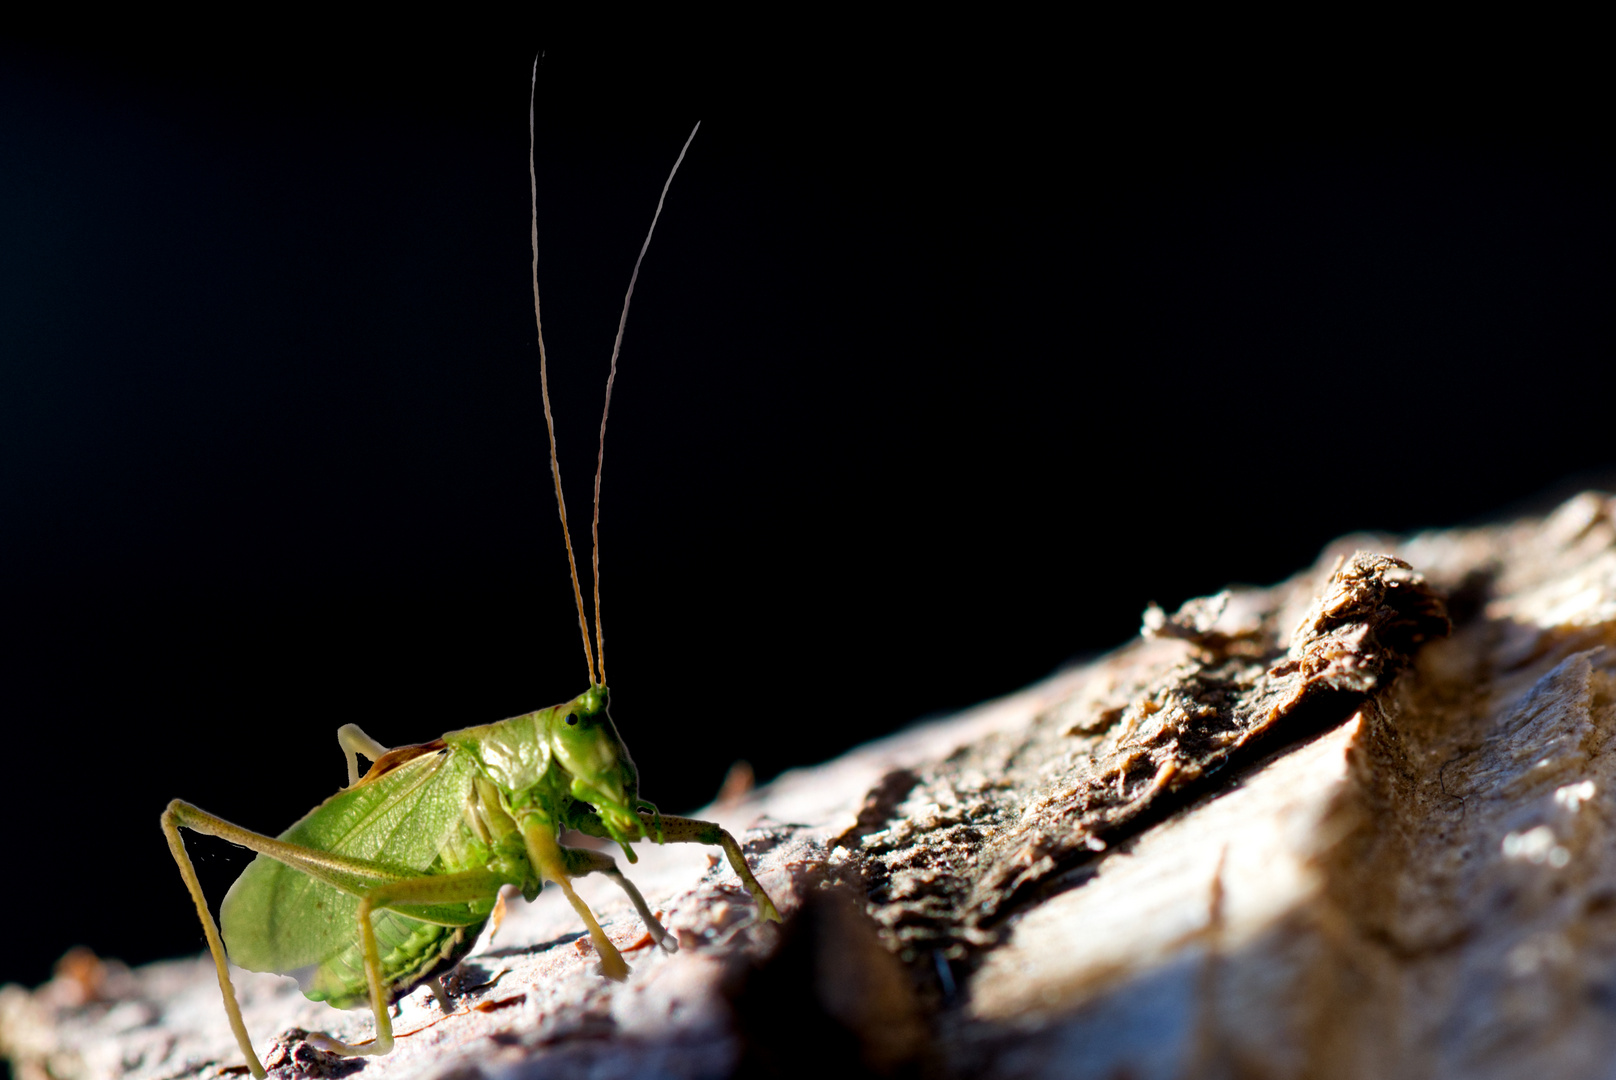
(387, 884)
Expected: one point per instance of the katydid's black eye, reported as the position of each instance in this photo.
(572, 719)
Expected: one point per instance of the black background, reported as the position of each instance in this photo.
(949, 355)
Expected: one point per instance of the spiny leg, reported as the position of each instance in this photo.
(354, 741)
(683, 830)
(172, 819)
(581, 861)
(547, 858)
(432, 889)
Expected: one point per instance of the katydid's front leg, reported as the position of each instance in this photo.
(671, 829)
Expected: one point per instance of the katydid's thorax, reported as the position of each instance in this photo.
(514, 755)
(517, 762)
(546, 763)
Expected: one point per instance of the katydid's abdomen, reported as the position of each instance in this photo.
(412, 952)
(416, 814)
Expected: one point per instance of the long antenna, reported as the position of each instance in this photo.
(611, 379)
(544, 382)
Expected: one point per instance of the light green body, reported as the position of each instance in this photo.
(387, 884)
(445, 807)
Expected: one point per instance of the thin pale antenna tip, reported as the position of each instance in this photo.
(611, 379)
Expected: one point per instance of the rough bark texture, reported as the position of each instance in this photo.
(1298, 831)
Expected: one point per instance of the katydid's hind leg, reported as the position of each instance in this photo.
(581, 861)
(173, 817)
(683, 830)
(181, 814)
(432, 889)
(354, 741)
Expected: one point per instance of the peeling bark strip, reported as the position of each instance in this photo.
(966, 838)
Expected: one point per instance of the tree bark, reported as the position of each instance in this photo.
(1355, 824)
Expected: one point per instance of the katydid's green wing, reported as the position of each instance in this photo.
(276, 918)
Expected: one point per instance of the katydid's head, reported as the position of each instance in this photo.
(585, 741)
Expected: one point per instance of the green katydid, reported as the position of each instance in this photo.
(387, 884)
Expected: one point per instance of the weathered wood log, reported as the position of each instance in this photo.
(1295, 831)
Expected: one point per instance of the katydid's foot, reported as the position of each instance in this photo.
(659, 933)
(767, 912)
(612, 965)
(321, 1041)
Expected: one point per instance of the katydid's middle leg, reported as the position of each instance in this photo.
(683, 830)
(546, 854)
(581, 861)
